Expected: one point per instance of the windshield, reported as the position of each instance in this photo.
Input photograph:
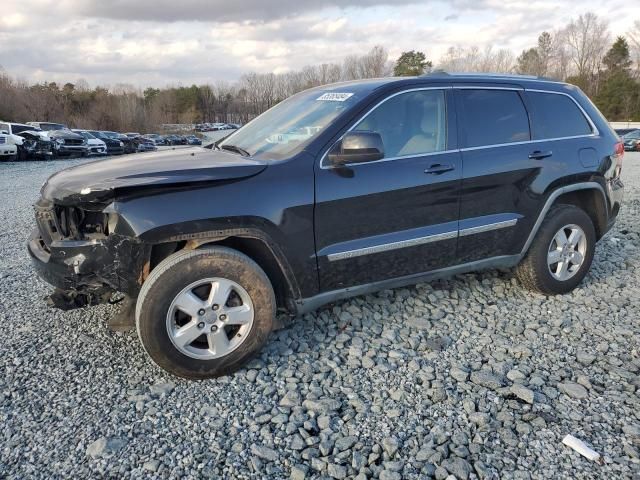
(632, 135)
(86, 135)
(53, 126)
(98, 134)
(292, 124)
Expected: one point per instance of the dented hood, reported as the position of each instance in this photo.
(104, 180)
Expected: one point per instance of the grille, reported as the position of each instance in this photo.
(3, 140)
(72, 141)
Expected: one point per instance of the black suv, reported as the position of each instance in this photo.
(338, 191)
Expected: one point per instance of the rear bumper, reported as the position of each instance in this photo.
(615, 191)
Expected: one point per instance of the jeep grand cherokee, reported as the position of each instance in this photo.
(386, 182)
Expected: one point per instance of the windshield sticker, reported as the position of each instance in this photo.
(334, 97)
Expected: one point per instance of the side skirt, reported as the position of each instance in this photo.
(306, 305)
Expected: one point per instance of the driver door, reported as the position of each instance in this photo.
(398, 216)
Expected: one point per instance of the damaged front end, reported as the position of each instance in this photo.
(35, 145)
(78, 250)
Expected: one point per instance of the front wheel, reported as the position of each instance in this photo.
(204, 313)
(561, 253)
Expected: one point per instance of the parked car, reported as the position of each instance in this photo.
(65, 142)
(132, 134)
(114, 145)
(193, 140)
(155, 138)
(128, 143)
(8, 149)
(30, 143)
(632, 141)
(96, 146)
(624, 131)
(406, 180)
(145, 144)
(175, 140)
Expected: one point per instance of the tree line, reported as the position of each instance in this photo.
(582, 53)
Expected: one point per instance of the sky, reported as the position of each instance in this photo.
(159, 42)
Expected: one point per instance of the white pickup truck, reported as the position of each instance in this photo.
(8, 146)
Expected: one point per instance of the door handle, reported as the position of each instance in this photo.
(538, 155)
(438, 168)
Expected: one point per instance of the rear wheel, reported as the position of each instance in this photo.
(204, 313)
(561, 253)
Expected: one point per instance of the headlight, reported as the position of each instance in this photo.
(60, 141)
(121, 144)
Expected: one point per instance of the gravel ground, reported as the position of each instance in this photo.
(472, 376)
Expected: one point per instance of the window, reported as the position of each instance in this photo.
(493, 117)
(556, 116)
(4, 128)
(411, 123)
(20, 128)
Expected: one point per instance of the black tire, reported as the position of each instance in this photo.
(181, 269)
(534, 272)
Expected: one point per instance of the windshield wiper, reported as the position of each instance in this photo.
(235, 148)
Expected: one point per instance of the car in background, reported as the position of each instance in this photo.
(96, 146)
(8, 149)
(145, 144)
(155, 138)
(175, 140)
(623, 131)
(128, 144)
(30, 143)
(631, 141)
(193, 140)
(114, 145)
(132, 134)
(65, 142)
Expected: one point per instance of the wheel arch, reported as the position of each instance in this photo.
(588, 196)
(251, 243)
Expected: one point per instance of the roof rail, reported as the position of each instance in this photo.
(444, 73)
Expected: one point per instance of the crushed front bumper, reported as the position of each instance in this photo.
(89, 271)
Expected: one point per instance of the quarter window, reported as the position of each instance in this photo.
(493, 117)
(556, 116)
(410, 124)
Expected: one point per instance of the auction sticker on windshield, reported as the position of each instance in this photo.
(334, 97)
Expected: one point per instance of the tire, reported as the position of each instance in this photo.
(537, 272)
(159, 319)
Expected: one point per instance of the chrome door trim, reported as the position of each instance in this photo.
(423, 240)
(487, 228)
(358, 252)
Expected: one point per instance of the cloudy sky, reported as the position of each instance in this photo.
(180, 42)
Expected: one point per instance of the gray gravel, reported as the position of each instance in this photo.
(473, 377)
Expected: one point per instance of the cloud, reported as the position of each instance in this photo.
(161, 43)
(214, 10)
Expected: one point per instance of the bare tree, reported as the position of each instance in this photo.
(587, 38)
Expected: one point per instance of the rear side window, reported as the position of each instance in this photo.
(556, 116)
(493, 117)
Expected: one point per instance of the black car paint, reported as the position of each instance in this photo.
(303, 212)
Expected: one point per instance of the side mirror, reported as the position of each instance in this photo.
(357, 147)
(4, 132)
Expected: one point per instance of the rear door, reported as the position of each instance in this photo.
(397, 216)
(497, 170)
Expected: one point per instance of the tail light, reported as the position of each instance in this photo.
(619, 155)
